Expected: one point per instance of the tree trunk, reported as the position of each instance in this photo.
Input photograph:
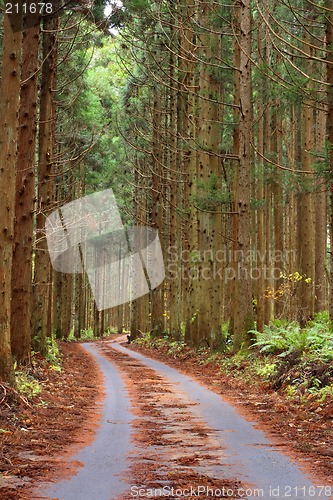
(9, 111)
(329, 48)
(157, 295)
(242, 318)
(278, 212)
(24, 206)
(175, 188)
(260, 262)
(209, 179)
(42, 277)
(306, 215)
(321, 219)
(291, 128)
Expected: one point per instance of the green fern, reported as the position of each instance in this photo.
(282, 338)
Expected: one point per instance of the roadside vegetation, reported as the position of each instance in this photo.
(29, 378)
(297, 362)
(285, 357)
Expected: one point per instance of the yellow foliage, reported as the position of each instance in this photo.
(286, 287)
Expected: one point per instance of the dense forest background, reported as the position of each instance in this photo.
(212, 121)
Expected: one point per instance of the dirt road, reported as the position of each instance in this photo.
(164, 435)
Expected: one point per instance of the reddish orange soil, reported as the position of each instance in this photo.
(41, 434)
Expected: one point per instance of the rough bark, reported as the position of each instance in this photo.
(24, 205)
(242, 319)
(209, 180)
(329, 49)
(306, 215)
(157, 296)
(278, 209)
(260, 196)
(9, 108)
(42, 275)
(321, 287)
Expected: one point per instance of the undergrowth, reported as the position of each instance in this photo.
(53, 356)
(282, 338)
(88, 334)
(27, 384)
(287, 358)
(29, 378)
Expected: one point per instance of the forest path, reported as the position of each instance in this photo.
(161, 430)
